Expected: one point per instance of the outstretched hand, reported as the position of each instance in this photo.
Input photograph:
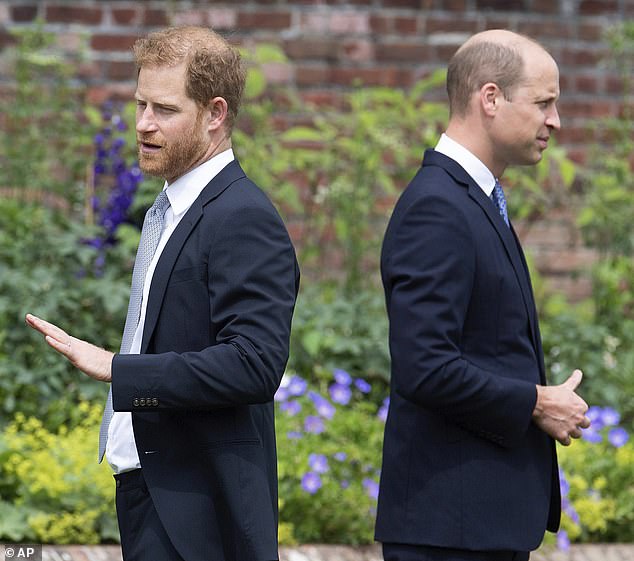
(90, 359)
(560, 412)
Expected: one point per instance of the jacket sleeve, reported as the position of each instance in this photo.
(429, 267)
(252, 285)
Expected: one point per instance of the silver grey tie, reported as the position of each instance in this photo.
(150, 236)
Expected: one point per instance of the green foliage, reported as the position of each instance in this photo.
(43, 125)
(48, 270)
(600, 478)
(342, 463)
(53, 490)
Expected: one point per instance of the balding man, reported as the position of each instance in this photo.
(469, 464)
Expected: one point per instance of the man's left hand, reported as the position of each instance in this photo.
(90, 359)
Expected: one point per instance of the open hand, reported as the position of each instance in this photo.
(90, 359)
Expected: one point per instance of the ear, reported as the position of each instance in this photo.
(490, 98)
(217, 113)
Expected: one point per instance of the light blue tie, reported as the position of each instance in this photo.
(500, 201)
(150, 236)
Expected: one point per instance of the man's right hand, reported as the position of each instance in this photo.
(560, 412)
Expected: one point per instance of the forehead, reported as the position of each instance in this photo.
(541, 75)
(162, 83)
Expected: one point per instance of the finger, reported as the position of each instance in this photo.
(48, 329)
(585, 423)
(575, 433)
(565, 441)
(574, 380)
(62, 348)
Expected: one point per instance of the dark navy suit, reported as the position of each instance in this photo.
(214, 349)
(463, 465)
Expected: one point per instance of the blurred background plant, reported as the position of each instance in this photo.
(71, 203)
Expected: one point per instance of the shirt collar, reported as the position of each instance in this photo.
(468, 161)
(185, 190)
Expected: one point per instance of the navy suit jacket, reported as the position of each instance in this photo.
(463, 464)
(214, 349)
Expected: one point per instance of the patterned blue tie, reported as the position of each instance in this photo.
(150, 236)
(500, 201)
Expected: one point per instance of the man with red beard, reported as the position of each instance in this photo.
(188, 425)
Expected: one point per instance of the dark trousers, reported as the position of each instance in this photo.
(143, 537)
(404, 552)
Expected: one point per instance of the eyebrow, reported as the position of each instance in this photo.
(160, 104)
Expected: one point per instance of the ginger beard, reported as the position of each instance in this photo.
(176, 156)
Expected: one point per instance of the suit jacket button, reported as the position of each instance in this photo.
(142, 402)
(155, 402)
(135, 402)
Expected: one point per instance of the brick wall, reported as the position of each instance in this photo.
(331, 44)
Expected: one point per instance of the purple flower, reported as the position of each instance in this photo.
(340, 456)
(563, 541)
(610, 417)
(362, 385)
(318, 463)
(342, 377)
(297, 386)
(564, 486)
(292, 407)
(340, 394)
(595, 414)
(345, 484)
(314, 424)
(371, 487)
(618, 437)
(281, 394)
(592, 435)
(382, 413)
(311, 482)
(322, 405)
(293, 435)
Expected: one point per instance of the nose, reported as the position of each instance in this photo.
(552, 118)
(145, 121)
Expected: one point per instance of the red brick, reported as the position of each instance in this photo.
(6, 39)
(121, 70)
(313, 75)
(112, 42)
(590, 31)
(222, 18)
(407, 25)
(615, 84)
(587, 109)
(191, 17)
(375, 76)
(587, 84)
(349, 22)
(412, 4)
(20, 14)
(380, 24)
(501, 5)
(312, 48)
(546, 28)
(455, 5)
(74, 14)
(96, 95)
(155, 17)
(403, 52)
(545, 7)
(597, 7)
(586, 57)
(574, 134)
(323, 98)
(444, 53)
(358, 50)
(263, 20)
(125, 16)
(450, 25)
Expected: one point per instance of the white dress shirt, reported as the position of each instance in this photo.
(121, 451)
(468, 161)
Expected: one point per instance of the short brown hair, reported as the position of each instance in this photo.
(214, 67)
(476, 64)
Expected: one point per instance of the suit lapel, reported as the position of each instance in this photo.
(228, 175)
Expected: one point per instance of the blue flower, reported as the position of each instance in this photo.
(294, 435)
(618, 437)
(340, 456)
(371, 487)
(342, 377)
(297, 386)
(610, 417)
(314, 424)
(382, 413)
(563, 541)
(322, 405)
(281, 394)
(292, 407)
(340, 394)
(592, 435)
(318, 463)
(595, 414)
(311, 482)
(564, 486)
(362, 385)
(345, 484)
